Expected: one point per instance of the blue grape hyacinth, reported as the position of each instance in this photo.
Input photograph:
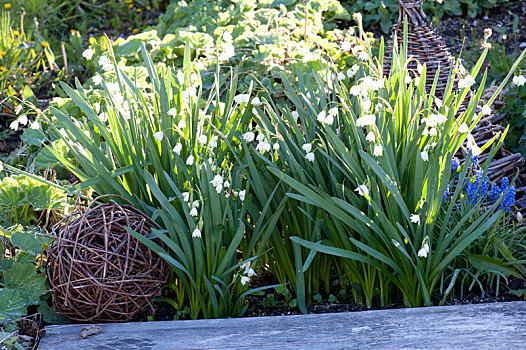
(479, 189)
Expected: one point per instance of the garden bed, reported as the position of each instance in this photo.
(268, 186)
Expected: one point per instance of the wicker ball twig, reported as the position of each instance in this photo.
(97, 271)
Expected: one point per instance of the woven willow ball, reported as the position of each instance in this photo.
(97, 271)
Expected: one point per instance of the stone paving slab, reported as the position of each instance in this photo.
(480, 326)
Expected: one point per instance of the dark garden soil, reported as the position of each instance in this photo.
(461, 34)
(272, 303)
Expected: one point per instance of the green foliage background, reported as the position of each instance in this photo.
(385, 12)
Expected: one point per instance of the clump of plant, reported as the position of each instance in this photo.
(24, 62)
(168, 149)
(497, 254)
(26, 201)
(56, 19)
(23, 280)
(356, 154)
(503, 51)
(22, 275)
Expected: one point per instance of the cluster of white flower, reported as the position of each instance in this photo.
(366, 120)
(432, 122)
(247, 272)
(263, 144)
(424, 250)
(189, 92)
(193, 210)
(105, 63)
(309, 155)
(22, 120)
(228, 51)
(351, 72)
(118, 99)
(173, 113)
(213, 141)
(87, 54)
(415, 219)
(360, 51)
(378, 150)
(327, 118)
(242, 98)
(466, 82)
(486, 110)
(217, 182)
(366, 85)
(519, 80)
(434, 119)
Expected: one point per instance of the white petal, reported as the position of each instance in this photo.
(158, 136)
(307, 147)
